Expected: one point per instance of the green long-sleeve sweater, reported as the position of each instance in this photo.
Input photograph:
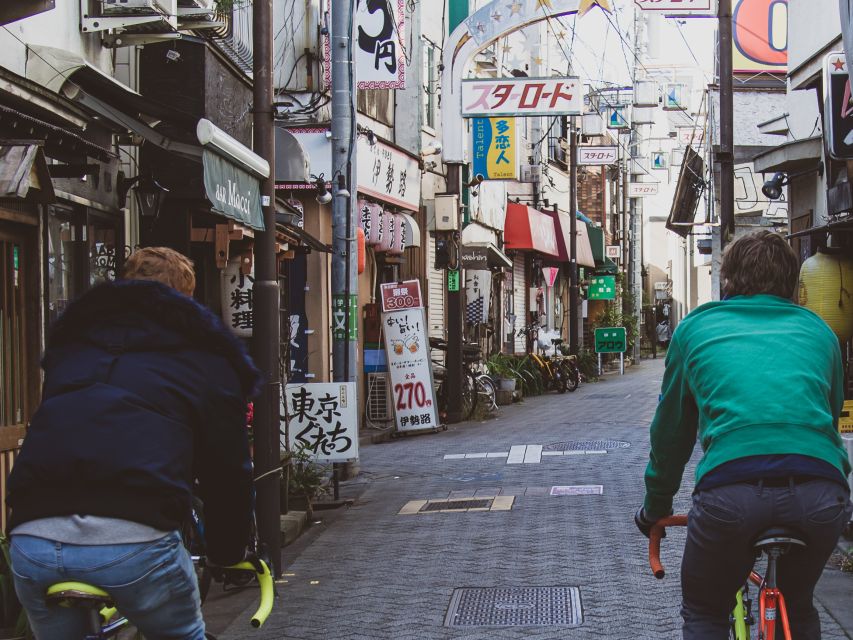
(752, 375)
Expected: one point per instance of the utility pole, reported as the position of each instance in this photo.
(573, 241)
(455, 320)
(267, 297)
(344, 250)
(726, 153)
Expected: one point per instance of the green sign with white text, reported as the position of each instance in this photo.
(602, 288)
(453, 280)
(610, 340)
(340, 331)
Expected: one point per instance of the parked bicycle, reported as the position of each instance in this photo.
(478, 387)
(559, 372)
(774, 543)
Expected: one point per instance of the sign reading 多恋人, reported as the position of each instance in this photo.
(610, 340)
(233, 192)
(410, 369)
(838, 112)
(602, 288)
(388, 175)
(397, 296)
(613, 251)
(238, 303)
(642, 189)
(494, 148)
(676, 6)
(598, 155)
(322, 420)
(489, 97)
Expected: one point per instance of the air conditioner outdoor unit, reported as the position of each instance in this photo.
(531, 173)
(122, 7)
(378, 398)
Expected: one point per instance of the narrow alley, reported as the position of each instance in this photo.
(372, 572)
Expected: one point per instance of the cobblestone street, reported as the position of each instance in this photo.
(371, 572)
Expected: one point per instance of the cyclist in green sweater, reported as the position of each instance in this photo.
(759, 380)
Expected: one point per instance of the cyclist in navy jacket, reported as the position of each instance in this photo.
(145, 393)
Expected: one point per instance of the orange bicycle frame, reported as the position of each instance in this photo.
(771, 607)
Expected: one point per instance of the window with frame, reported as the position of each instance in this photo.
(558, 136)
(431, 83)
(377, 104)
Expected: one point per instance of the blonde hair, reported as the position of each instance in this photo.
(163, 265)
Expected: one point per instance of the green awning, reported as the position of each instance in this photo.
(607, 268)
(233, 192)
(596, 243)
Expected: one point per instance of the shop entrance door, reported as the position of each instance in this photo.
(19, 343)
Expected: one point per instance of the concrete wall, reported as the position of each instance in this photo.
(812, 25)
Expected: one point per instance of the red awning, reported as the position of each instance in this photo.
(564, 234)
(527, 229)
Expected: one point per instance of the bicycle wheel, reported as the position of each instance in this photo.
(558, 374)
(469, 395)
(487, 391)
(572, 375)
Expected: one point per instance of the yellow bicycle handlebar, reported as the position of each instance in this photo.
(267, 592)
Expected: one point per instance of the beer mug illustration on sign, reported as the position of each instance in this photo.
(398, 346)
(412, 343)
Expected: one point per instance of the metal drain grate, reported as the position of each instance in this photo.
(515, 607)
(587, 445)
(460, 505)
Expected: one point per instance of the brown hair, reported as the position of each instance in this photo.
(760, 262)
(163, 265)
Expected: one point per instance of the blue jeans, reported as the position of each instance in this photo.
(152, 583)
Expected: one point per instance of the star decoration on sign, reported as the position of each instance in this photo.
(481, 27)
(537, 60)
(545, 4)
(562, 35)
(497, 16)
(515, 7)
(507, 48)
(838, 64)
(586, 5)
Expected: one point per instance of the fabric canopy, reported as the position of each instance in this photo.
(527, 229)
(563, 222)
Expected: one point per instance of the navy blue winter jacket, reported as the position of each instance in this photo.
(145, 391)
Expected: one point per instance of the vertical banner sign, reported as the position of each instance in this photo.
(238, 301)
(322, 420)
(407, 352)
(340, 330)
(495, 148)
(453, 280)
(478, 290)
(379, 51)
(838, 110)
(760, 36)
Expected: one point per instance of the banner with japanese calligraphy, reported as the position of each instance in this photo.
(322, 420)
(495, 148)
(238, 301)
(388, 174)
(409, 366)
(478, 290)
(522, 97)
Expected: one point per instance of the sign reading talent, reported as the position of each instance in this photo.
(522, 97)
(494, 148)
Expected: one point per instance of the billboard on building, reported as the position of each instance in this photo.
(760, 36)
(494, 150)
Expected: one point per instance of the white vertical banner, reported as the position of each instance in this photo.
(322, 420)
(238, 299)
(478, 290)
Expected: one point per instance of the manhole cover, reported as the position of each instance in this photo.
(515, 607)
(460, 505)
(587, 445)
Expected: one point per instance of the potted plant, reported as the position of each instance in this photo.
(500, 368)
(303, 480)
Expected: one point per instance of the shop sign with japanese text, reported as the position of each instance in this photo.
(676, 6)
(838, 110)
(613, 251)
(495, 148)
(388, 175)
(238, 302)
(410, 369)
(522, 97)
(689, 135)
(610, 340)
(321, 419)
(602, 288)
(397, 296)
(642, 189)
(598, 155)
(341, 329)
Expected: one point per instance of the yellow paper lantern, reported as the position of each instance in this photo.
(826, 287)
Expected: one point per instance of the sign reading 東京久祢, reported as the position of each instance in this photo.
(522, 97)
(642, 189)
(407, 351)
(322, 420)
(598, 155)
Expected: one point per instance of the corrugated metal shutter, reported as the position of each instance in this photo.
(435, 296)
(519, 305)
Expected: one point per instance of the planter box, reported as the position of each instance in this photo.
(503, 397)
(506, 384)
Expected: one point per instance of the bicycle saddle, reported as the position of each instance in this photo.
(779, 536)
(557, 341)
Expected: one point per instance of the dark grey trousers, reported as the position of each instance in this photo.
(718, 556)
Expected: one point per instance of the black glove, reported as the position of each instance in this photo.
(645, 523)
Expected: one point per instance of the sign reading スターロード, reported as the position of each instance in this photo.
(838, 112)
(642, 189)
(322, 420)
(522, 97)
(409, 366)
(598, 155)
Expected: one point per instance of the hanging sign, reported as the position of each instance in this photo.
(495, 148)
(478, 290)
(322, 420)
(397, 296)
(233, 192)
(674, 98)
(642, 189)
(616, 118)
(601, 288)
(341, 330)
(598, 155)
(410, 369)
(453, 280)
(522, 97)
(689, 135)
(387, 174)
(660, 160)
(838, 112)
(677, 6)
(550, 274)
(613, 251)
(238, 299)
